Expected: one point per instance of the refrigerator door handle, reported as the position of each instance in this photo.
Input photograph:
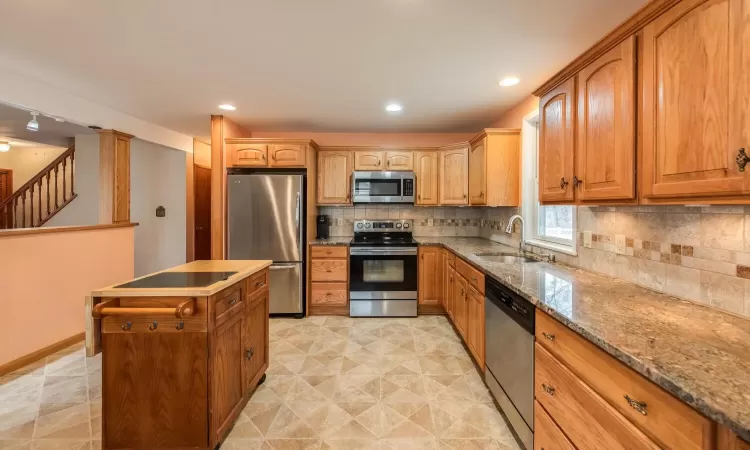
(297, 219)
(283, 266)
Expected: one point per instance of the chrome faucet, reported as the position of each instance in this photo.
(509, 230)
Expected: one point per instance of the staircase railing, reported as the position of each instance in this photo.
(43, 196)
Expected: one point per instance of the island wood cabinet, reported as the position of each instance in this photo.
(334, 177)
(454, 175)
(696, 133)
(426, 172)
(259, 152)
(177, 371)
(329, 280)
(494, 168)
(598, 402)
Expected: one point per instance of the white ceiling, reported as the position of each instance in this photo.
(323, 65)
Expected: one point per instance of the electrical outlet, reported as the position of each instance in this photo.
(620, 244)
(430, 222)
(587, 239)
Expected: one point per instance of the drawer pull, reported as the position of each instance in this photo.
(180, 325)
(474, 279)
(329, 295)
(636, 405)
(153, 325)
(329, 270)
(548, 389)
(260, 284)
(549, 336)
(249, 353)
(233, 301)
(126, 326)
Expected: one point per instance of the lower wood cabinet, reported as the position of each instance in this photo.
(430, 277)
(226, 375)
(329, 280)
(547, 435)
(475, 327)
(254, 339)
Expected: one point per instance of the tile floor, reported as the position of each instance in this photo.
(333, 383)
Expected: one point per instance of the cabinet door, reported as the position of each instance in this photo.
(226, 375)
(429, 276)
(427, 178)
(556, 140)
(248, 155)
(399, 160)
(443, 279)
(449, 283)
(255, 340)
(454, 177)
(476, 300)
(605, 150)
(369, 160)
(695, 96)
(547, 436)
(460, 295)
(334, 176)
(288, 155)
(478, 173)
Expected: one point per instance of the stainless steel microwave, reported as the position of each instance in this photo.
(383, 187)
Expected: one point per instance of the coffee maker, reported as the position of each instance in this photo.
(323, 230)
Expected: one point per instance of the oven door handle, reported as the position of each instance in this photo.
(366, 251)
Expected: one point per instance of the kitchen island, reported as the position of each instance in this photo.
(182, 352)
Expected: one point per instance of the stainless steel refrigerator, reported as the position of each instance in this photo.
(265, 220)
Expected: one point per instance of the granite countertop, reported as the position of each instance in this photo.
(243, 269)
(333, 240)
(699, 354)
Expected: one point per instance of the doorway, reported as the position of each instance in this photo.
(6, 184)
(202, 187)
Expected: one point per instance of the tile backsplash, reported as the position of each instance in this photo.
(697, 253)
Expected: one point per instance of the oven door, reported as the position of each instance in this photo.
(382, 273)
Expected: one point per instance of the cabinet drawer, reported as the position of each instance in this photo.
(547, 436)
(248, 155)
(474, 277)
(257, 282)
(329, 251)
(586, 418)
(228, 303)
(329, 270)
(329, 294)
(287, 155)
(665, 419)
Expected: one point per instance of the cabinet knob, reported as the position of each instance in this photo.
(636, 405)
(259, 284)
(464, 196)
(576, 181)
(563, 183)
(742, 159)
(233, 301)
(126, 326)
(249, 353)
(263, 157)
(548, 389)
(549, 336)
(180, 325)
(153, 325)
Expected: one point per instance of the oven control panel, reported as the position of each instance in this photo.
(383, 226)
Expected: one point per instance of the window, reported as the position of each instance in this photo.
(551, 227)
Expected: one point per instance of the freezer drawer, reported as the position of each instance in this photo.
(286, 288)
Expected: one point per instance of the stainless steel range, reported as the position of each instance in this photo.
(383, 269)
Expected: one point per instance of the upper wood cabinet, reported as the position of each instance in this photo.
(261, 152)
(696, 92)
(369, 160)
(426, 171)
(454, 175)
(556, 140)
(399, 160)
(247, 154)
(334, 177)
(605, 149)
(495, 151)
(287, 155)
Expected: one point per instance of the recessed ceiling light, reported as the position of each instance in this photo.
(33, 125)
(509, 81)
(4, 147)
(227, 107)
(393, 107)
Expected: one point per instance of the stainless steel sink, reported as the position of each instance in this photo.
(507, 258)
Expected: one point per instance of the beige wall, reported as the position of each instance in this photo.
(513, 118)
(25, 162)
(372, 139)
(45, 279)
(201, 153)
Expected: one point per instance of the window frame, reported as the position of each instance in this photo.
(530, 207)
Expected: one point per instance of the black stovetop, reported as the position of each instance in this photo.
(178, 280)
(383, 239)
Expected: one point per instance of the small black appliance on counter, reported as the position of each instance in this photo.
(323, 229)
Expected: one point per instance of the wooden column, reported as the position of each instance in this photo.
(114, 177)
(221, 128)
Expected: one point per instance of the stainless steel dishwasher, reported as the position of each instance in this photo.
(509, 321)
